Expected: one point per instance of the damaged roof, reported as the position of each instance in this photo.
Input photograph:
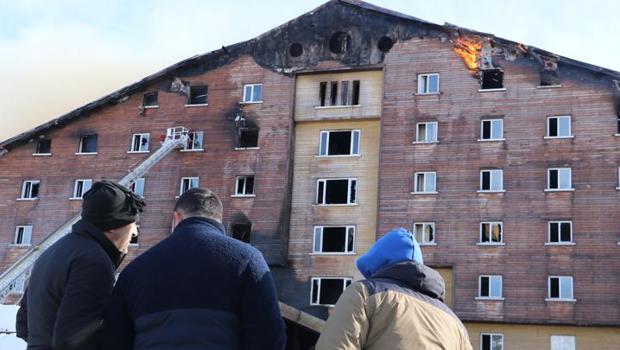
(270, 50)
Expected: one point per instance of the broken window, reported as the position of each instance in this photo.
(248, 138)
(81, 187)
(137, 187)
(244, 185)
(559, 126)
(197, 95)
(428, 83)
(492, 129)
(88, 144)
(560, 232)
(140, 142)
(44, 146)
(491, 341)
(425, 182)
(562, 342)
(253, 93)
(424, 232)
(492, 79)
(149, 100)
(561, 287)
(340, 191)
(326, 290)
(195, 141)
(340, 43)
(30, 189)
(188, 183)
(559, 179)
(323, 95)
(23, 235)
(492, 180)
(242, 232)
(344, 93)
(334, 239)
(426, 132)
(490, 287)
(338, 143)
(491, 232)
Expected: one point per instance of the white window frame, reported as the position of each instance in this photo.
(189, 96)
(191, 180)
(561, 297)
(493, 127)
(491, 297)
(561, 342)
(243, 194)
(36, 150)
(424, 84)
(354, 151)
(491, 335)
(422, 235)
(492, 174)
(424, 191)
(559, 189)
(138, 184)
(26, 233)
(141, 137)
(250, 99)
(318, 295)
(318, 240)
(86, 185)
(80, 151)
(558, 117)
(559, 223)
(28, 196)
(324, 195)
(490, 242)
(189, 146)
(427, 133)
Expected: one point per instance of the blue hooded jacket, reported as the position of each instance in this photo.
(396, 246)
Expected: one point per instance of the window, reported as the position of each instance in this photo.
(334, 239)
(253, 93)
(137, 187)
(88, 144)
(18, 285)
(340, 143)
(492, 130)
(81, 187)
(23, 235)
(491, 232)
(242, 231)
(30, 189)
(244, 185)
(424, 232)
(140, 142)
(491, 341)
(197, 95)
(492, 180)
(326, 291)
(559, 179)
(490, 287)
(248, 138)
(492, 79)
(560, 231)
(44, 147)
(425, 182)
(426, 132)
(428, 83)
(149, 100)
(558, 127)
(195, 141)
(336, 191)
(347, 95)
(561, 288)
(188, 183)
(562, 342)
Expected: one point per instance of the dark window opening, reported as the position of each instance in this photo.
(492, 79)
(553, 234)
(553, 179)
(486, 130)
(150, 99)
(340, 43)
(355, 97)
(242, 232)
(618, 130)
(245, 185)
(484, 286)
(326, 291)
(334, 239)
(486, 342)
(336, 192)
(296, 50)
(248, 138)
(549, 78)
(385, 44)
(333, 93)
(344, 95)
(339, 143)
(197, 95)
(565, 232)
(323, 93)
(486, 180)
(553, 127)
(88, 144)
(44, 146)
(320, 198)
(554, 288)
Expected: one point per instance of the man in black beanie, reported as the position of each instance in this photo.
(72, 280)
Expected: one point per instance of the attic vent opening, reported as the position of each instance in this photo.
(385, 44)
(492, 79)
(296, 50)
(340, 43)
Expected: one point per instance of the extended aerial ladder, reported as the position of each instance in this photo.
(14, 276)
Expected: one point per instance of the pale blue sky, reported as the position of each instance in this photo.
(60, 54)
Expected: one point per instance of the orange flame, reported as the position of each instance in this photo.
(469, 50)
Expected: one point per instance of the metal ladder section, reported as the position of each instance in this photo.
(16, 274)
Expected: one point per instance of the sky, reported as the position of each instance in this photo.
(57, 55)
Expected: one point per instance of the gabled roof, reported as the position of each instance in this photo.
(267, 51)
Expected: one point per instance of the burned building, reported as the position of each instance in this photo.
(350, 120)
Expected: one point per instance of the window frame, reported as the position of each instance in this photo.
(74, 195)
(324, 194)
(318, 294)
(490, 288)
(190, 139)
(424, 224)
(424, 84)
(144, 97)
(353, 152)
(559, 189)
(36, 149)
(491, 172)
(23, 190)
(189, 96)
(559, 223)
(27, 232)
(245, 177)
(490, 242)
(350, 230)
(328, 99)
(190, 178)
(142, 136)
(81, 145)
(557, 118)
(491, 121)
(415, 182)
(491, 335)
(134, 185)
(252, 87)
(560, 297)
(426, 132)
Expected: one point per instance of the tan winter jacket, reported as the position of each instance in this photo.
(400, 307)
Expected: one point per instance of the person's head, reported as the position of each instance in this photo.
(197, 202)
(396, 246)
(115, 210)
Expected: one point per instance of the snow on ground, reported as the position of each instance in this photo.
(7, 324)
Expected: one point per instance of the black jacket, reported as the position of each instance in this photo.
(69, 287)
(196, 289)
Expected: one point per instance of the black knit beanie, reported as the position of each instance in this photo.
(108, 205)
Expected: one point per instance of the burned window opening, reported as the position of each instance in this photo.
(44, 146)
(339, 143)
(326, 291)
(549, 78)
(349, 94)
(385, 44)
(334, 239)
(296, 50)
(244, 185)
(492, 79)
(88, 144)
(248, 138)
(341, 191)
(242, 231)
(340, 43)
(197, 95)
(150, 99)
(355, 96)
(333, 94)
(323, 93)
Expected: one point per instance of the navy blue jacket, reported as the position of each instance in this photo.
(197, 289)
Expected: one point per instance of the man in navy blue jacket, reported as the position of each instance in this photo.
(197, 289)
